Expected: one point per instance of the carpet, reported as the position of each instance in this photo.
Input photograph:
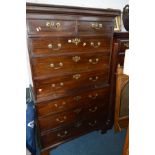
(93, 143)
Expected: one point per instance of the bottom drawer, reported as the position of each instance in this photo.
(51, 139)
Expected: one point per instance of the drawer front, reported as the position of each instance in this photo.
(67, 117)
(57, 45)
(62, 85)
(54, 27)
(72, 63)
(95, 28)
(76, 129)
(78, 100)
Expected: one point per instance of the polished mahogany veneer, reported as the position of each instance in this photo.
(73, 62)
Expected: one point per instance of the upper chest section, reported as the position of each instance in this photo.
(48, 20)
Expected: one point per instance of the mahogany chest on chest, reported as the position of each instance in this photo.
(73, 64)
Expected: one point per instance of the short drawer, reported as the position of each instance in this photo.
(67, 117)
(47, 46)
(58, 65)
(95, 28)
(53, 27)
(62, 85)
(74, 130)
(74, 101)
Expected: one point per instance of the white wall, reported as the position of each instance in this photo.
(114, 4)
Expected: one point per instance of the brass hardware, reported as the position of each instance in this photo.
(48, 24)
(40, 90)
(92, 123)
(77, 98)
(55, 105)
(54, 85)
(76, 41)
(76, 58)
(61, 106)
(56, 67)
(38, 29)
(49, 45)
(52, 65)
(126, 44)
(61, 83)
(76, 76)
(95, 46)
(57, 25)
(93, 96)
(61, 120)
(62, 135)
(78, 110)
(93, 110)
(96, 26)
(55, 48)
(93, 79)
(94, 62)
(84, 44)
(53, 25)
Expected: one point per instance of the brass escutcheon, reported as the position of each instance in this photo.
(76, 41)
(76, 58)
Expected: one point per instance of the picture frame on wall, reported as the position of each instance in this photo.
(117, 23)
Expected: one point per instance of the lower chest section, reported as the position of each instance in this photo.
(63, 119)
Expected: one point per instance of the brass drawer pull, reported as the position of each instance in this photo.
(92, 123)
(93, 96)
(95, 61)
(93, 110)
(76, 58)
(38, 29)
(95, 45)
(77, 98)
(126, 44)
(76, 76)
(75, 41)
(96, 26)
(60, 106)
(62, 135)
(57, 25)
(84, 44)
(61, 120)
(56, 67)
(77, 111)
(93, 79)
(53, 25)
(57, 47)
(40, 90)
(61, 84)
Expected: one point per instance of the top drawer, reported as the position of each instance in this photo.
(59, 27)
(68, 25)
(99, 28)
(48, 27)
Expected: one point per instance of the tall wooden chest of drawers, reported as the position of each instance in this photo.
(73, 65)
